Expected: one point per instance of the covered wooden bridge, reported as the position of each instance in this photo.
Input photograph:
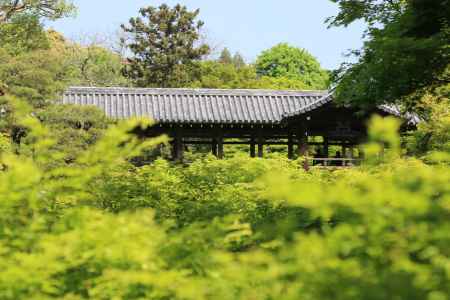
(296, 119)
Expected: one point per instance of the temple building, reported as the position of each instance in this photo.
(217, 117)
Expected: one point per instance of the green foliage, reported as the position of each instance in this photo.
(231, 229)
(206, 189)
(227, 76)
(40, 72)
(238, 60)
(372, 12)
(388, 239)
(402, 58)
(220, 75)
(23, 34)
(51, 9)
(74, 128)
(79, 221)
(281, 83)
(434, 134)
(95, 66)
(35, 75)
(163, 45)
(383, 133)
(5, 144)
(285, 61)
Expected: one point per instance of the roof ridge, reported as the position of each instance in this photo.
(128, 90)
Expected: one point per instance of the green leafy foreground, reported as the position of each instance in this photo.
(240, 228)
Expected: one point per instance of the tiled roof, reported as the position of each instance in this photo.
(199, 105)
(412, 118)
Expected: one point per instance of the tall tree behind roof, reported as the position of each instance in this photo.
(225, 56)
(406, 53)
(163, 42)
(294, 63)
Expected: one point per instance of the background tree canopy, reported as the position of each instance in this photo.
(285, 61)
(238, 75)
(163, 42)
(406, 53)
(43, 66)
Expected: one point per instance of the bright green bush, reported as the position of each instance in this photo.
(434, 134)
(240, 228)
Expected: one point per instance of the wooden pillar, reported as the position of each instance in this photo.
(351, 155)
(326, 149)
(344, 155)
(290, 147)
(302, 143)
(252, 147)
(173, 150)
(361, 152)
(214, 147)
(177, 152)
(260, 147)
(303, 147)
(220, 147)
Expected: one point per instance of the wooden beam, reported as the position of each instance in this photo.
(267, 142)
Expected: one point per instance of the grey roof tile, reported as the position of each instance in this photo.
(198, 105)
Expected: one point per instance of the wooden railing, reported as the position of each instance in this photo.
(334, 162)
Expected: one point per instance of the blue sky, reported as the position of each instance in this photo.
(247, 26)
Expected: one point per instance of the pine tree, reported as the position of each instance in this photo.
(51, 9)
(225, 56)
(163, 44)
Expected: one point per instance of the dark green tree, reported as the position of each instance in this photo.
(163, 42)
(74, 128)
(290, 62)
(225, 57)
(406, 52)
